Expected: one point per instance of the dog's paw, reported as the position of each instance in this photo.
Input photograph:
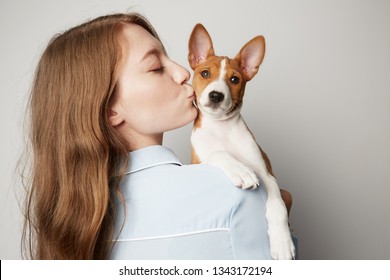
(242, 176)
(282, 248)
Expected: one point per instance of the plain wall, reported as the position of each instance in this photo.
(319, 106)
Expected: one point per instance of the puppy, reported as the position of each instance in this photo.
(220, 136)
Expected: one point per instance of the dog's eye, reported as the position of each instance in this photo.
(205, 73)
(235, 80)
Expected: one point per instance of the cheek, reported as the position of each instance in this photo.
(196, 85)
(159, 110)
(145, 105)
(143, 99)
(173, 113)
(237, 92)
(199, 85)
(162, 118)
(144, 114)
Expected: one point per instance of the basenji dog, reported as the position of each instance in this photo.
(220, 136)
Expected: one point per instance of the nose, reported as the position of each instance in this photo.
(216, 97)
(180, 74)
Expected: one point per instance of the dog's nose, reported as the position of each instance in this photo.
(216, 96)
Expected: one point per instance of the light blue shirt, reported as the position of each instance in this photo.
(176, 211)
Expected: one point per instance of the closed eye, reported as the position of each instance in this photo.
(158, 70)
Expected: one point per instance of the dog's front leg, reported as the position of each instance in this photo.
(282, 247)
(241, 175)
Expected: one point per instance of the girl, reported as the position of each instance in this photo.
(102, 185)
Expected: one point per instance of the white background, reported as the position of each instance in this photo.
(320, 105)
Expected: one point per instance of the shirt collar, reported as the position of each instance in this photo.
(151, 156)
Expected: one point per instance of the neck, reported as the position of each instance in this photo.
(136, 141)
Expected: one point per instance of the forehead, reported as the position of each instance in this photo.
(214, 64)
(138, 40)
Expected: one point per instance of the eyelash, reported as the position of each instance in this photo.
(159, 70)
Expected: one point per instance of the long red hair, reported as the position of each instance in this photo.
(77, 159)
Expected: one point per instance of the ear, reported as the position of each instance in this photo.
(250, 57)
(200, 46)
(114, 116)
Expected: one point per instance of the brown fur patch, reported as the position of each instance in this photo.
(267, 162)
(213, 66)
(198, 120)
(194, 157)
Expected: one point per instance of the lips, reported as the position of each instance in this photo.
(192, 96)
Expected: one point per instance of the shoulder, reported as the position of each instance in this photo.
(200, 183)
(212, 180)
(206, 176)
(203, 185)
(196, 180)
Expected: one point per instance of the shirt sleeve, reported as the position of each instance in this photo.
(249, 225)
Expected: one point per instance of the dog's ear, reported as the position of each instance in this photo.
(200, 46)
(250, 57)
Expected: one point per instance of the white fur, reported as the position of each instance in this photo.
(229, 145)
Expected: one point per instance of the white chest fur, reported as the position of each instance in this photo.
(230, 136)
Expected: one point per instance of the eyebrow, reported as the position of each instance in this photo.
(153, 51)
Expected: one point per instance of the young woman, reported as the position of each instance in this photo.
(102, 185)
